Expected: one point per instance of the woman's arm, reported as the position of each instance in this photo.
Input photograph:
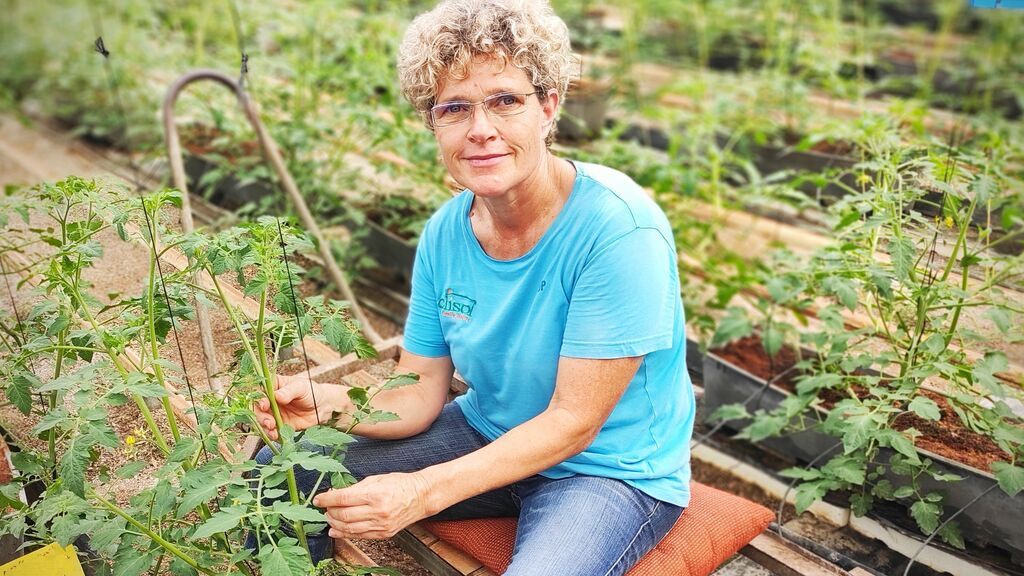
(303, 403)
(586, 391)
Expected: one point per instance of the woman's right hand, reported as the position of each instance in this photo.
(295, 400)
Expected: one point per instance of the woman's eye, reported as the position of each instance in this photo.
(453, 108)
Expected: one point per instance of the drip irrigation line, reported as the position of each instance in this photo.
(17, 316)
(759, 392)
(298, 324)
(151, 227)
(935, 532)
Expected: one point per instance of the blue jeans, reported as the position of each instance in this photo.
(582, 525)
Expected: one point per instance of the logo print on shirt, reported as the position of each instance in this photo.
(456, 306)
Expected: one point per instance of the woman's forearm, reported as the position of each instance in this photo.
(416, 405)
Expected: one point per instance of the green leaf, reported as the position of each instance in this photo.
(950, 533)
(926, 514)
(901, 250)
(859, 428)
(184, 449)
(808, 493)
(1000, 318)
(144, 385)
(131, 562)
(772, 338)
(729, 412)
(900, 443)
(1010, 477)
(59, 323)
(733, 326)
(985, 370)
(72, 466)
(69, 526)
(19, 391)
(903, 492)
(224, 520)
(400, 380)
(817, 382)
(298, 512)
(801, 473)
(107, 534)
(847, 469)
(925, 408)
(326, 436)
(283, 561)
(130, 469)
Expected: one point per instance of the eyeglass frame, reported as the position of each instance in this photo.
(430, 111)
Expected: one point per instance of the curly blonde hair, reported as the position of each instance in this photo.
(441, 43)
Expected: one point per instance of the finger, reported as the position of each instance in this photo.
(361, 530)
(341, 497)
(286, 394)
(349, 514)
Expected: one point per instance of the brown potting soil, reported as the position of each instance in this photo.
(948, 437)
(749, 353)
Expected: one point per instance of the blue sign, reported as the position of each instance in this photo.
(1016, 4)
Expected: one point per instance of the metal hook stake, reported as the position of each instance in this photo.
(273, 155)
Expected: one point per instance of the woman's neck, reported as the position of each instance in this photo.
(535, 201)
(509, 226)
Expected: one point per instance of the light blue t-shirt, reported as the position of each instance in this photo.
(601, 283)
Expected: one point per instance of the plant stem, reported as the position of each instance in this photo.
(268, 389)
(143, 407)
(152, 535)
(158, 371)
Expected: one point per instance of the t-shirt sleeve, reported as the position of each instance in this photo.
(625, 300)
(423, 335)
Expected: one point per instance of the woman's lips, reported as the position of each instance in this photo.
(485, 160)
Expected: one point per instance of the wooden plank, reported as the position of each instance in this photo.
(463, 563)
(424, 555)
(858, 571)
(422, 534)
(346, 551)
(787, 559)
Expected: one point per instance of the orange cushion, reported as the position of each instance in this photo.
(713, 528)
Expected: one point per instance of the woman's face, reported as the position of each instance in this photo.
(488, 153)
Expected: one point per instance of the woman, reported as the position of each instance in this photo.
(552, 287)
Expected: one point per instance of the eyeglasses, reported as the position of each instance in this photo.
(503, 104)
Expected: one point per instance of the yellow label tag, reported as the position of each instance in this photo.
(50, 560)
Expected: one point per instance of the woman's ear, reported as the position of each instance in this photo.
(550, 108)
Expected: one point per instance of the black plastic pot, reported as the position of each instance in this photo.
(994, 520)
(393, 254)
(726, 383)
(10, 547)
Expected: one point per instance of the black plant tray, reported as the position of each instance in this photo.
(995, 519)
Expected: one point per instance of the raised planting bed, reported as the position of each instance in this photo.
(741, 372)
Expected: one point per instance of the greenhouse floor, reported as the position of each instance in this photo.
(36, 154)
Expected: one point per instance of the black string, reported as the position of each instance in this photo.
(100, 47)
(236, 20)
(151, 227)
(298, 324)
(17, 317)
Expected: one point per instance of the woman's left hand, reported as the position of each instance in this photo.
(375, 507)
